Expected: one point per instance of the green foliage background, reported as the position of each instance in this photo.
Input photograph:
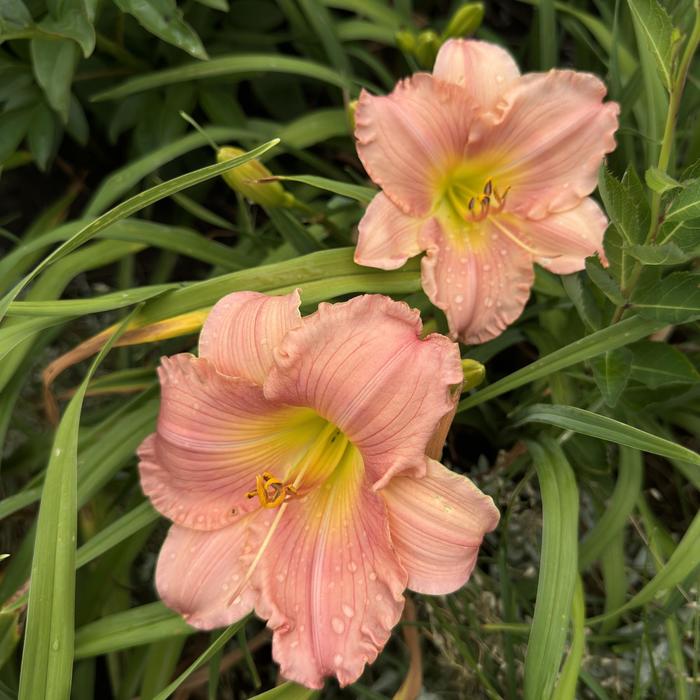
(112, 213)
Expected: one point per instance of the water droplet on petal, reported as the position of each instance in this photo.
(459, 299)
(338, 625)
(347, 610)
(338, 659)
(379, 597)
(372, 576)
(488, 302)
(352, 567)
(487, 267)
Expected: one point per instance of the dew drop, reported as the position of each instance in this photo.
(487, 267)
(237, 600)
(372, 576)
(347, 610)
(352, 567)
(338, 625)
(280, 577)
(338, 659)
(225, 587)
(379, 597)
(499, 78)
(488, 302)
(57, 452)
(55, 645)
(294, 644)
(503, 252)
(459, 299)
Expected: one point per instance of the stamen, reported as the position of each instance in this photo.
(488, 187)
(472, 202)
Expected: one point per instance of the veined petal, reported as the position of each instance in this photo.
(363, 367)
(215, 434)
(482, 69)
(198, 573)
(388, 237)
(568, 238)
(330, 583)
(479, 277)
(408, 139)
(437, 524)
(546, 139)
(242, 330)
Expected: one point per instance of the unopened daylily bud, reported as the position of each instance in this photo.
(246, 180)
(427, 46)
(465, 21)
(474, 373)
(351, 109)
(406, 41)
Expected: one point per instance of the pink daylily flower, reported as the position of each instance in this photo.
(296, 459)
(488, 171)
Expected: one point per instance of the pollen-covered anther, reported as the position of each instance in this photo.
(271, 492)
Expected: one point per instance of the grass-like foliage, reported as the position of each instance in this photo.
(119, 230)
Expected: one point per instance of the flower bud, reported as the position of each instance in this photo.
(351, 109)
(465, 21)
(427, 46)
(246, 180)
(474, 374)
(406, 41)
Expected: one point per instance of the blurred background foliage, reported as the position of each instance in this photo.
(583, 431)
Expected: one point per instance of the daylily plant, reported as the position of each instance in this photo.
(296, 458)
(488, 171)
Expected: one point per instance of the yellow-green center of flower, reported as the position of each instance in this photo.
(472, 203)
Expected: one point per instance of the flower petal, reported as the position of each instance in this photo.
(331, 585)
(363, 367)
(388, 237)
(482, 69)
(546, 140)
(478, 276)
(198, 573)
(569, 238)
(407, 139)
(242, 330)
(437, 524)
(215, 434)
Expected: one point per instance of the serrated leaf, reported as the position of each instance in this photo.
(665, 254)
(42, 135)
(625, 204)
(71, 19)
(659, 181)
(580, 294)
(674, 299)
(658, 364)
(654, 25)
(54, 62)
(611, 372)
(165, 20)
(14, 16)
(686, 205)
(604, 281)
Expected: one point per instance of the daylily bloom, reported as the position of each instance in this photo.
(488, 171)
(295, 457)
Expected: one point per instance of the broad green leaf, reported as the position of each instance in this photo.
(618, 509)
(624, 204)
(72, 19)
(164, 19)
(616, 336)
(134, 627)
(13, 127)
(604, 281)
(578, 291)
(585, 422)
(225, 66)
(659, 181)
(54, 61)
(686, 205)
(11, 335)
(14, 16)
(654, 26)
(47, 657)
(611, 372)
(211, 650)
(666, 254)
(129, 207)
(675, 299)
(547, 34)
(558, 569)
(42, 135)
(658, 364)
(362, 194)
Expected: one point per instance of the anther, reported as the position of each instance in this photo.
(472, 203)
(485, 202)
(488, 187)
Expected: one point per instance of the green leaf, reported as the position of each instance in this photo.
(658, 364)
(566, 687)
(344, 189)
(54, 61)
(226, 66)
(215, 4)
(585, 422)
(291, 229)
(13, 127)
(616, 336)
(611, 372)
(201, 659)
(14, 16)
(686, 205)
(675, 299)
(42, 135)
(129, 207)
(604, 281)
(72, 19)
(164, 19)
(619, 508)
(666, 254)
(659, 181)
(625, 204)
(652, 22)
(47, 658)
(580, 294)
(134, 627)
(558, 567)
(287, 691)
